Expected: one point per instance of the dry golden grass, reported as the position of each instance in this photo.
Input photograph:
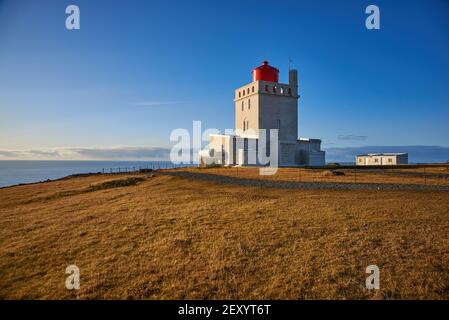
(165, 237)
(431, 175)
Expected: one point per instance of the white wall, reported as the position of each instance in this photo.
(381, 160)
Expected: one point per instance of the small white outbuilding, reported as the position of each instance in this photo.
(381, 159)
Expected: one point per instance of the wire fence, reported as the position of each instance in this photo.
(418, 174)
(406, 174)
(392, 174)
(147, 167)
(427, 175)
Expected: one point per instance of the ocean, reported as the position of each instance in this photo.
(14, 172)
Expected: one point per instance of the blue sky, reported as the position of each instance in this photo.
(136, 70)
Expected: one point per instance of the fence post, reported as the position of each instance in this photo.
(425, 176)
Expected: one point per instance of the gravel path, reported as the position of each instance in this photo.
(394, 172)
(304, 185)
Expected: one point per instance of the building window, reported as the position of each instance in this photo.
(245, 125)
(240, 94)
(248, 90)
(274, 89)
(266, 87)
(289, 91)
(376, 160)
(253, 89)
(249, 104)
(243, 92)
(360, 159)
(390, 160)
(243, 104)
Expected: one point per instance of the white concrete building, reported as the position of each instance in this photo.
(266, 104)
(381, 159)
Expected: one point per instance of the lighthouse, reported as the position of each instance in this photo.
(259, 106)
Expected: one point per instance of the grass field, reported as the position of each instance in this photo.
(164, 237)
(430, 175)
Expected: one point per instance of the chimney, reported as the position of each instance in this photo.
(293, 77)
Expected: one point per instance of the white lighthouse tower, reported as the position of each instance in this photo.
(265, 103)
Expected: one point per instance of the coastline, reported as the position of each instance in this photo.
(22, 172)
(208, 175)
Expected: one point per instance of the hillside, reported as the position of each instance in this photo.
(164, 237)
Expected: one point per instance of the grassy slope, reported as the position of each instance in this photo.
(166, 237)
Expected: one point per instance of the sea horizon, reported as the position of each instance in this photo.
(15, 172)
(24, 171)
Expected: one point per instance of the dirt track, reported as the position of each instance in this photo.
(304, 185)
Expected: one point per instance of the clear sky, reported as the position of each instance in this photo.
(136, 70)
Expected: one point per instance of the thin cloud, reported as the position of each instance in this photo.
(113, 153)
(123, 153)
(157, 103)
(351, 137)
(32, 153)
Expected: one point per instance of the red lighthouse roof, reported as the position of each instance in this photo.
(266, 72)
